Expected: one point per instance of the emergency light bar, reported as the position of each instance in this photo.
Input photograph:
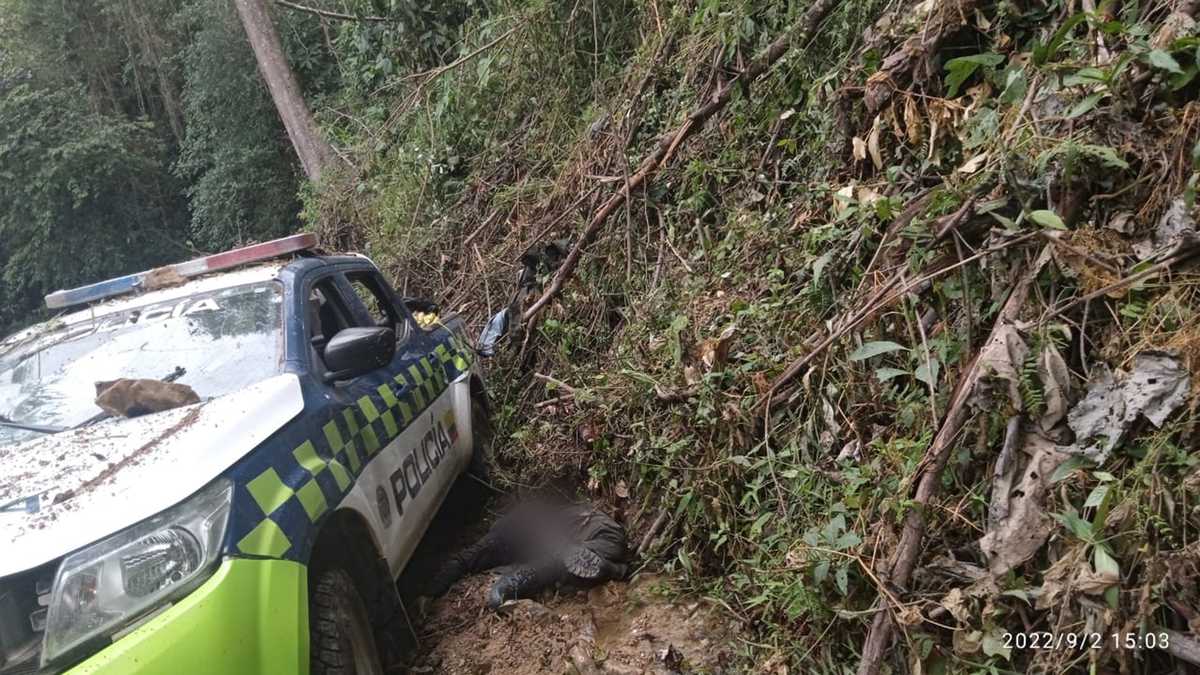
(191, 268)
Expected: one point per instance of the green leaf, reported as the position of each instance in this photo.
(1041, 54)
(1085, 76)
(1086, 105)
(1105, 563)
(928, 371)
(842, 579)
(993, 644)
(958, 70)
(1096, 497)
(874, 349)
(1015, 85)
(1185, 78)
(1105, 154)
(820, 263)
(821, 571)
(846, 541)
(834, 527)
(756, 528)
(1081, 528)
(1164, 61)
(1048, 219)
(885, 374)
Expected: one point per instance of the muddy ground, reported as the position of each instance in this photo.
(641, 625)
(620, 628)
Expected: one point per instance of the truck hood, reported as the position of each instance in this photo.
(61, 492)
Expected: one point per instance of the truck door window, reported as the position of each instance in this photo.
(379, 303)
(326, 317)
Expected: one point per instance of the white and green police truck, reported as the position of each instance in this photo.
(258, 531)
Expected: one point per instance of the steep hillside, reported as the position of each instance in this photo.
(890, 349)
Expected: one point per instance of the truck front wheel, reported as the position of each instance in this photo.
(342, 641)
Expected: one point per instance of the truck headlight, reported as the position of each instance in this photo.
(104, 587)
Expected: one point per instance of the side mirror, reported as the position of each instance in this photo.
(493, 332)
(357, 351)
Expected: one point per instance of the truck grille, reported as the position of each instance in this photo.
(23, 599)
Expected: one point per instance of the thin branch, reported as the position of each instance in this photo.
(432, 74)
(328, 14)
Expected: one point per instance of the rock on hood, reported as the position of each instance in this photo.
(63, 491)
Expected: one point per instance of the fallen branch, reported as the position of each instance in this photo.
(1122, 283)
(930, 476)
(432, 74)
(644, 546)
(328, 14)
(556, 383)
(1183, 647)
(668, 144)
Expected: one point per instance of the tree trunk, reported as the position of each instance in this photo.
(315, 154)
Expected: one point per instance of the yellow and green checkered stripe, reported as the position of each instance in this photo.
(290, 491)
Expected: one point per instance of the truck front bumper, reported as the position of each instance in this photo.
(250, 617)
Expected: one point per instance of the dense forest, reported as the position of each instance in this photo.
(851, 286)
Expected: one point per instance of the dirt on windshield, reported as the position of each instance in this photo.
(631, 627)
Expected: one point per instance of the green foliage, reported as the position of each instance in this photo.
(165, 125)
(83, 195)
(239, 168)
(963, 67)
(422, 34)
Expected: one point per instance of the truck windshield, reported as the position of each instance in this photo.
(223, 341)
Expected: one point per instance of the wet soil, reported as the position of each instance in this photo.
(621, 628)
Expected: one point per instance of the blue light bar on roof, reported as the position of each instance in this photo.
(164, 276)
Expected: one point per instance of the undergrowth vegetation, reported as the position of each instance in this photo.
(919, 183)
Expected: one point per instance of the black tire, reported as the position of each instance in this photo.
(481, 441)
(341, 638)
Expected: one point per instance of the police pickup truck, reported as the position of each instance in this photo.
(258, 528)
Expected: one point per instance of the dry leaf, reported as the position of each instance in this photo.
(892, 114)
(714, 352)
(842, 199)
(912, 121)
(866, 196)
(1157, 384)
(622, 490)
(860, 148)
(1002, 358)
(1016, 538)
(1056, 581)
(955, 602)
(967, 642)
(909, 615)
(761, 384)
(1056, 386)
(972, 165)
(873, 144)
(933, 135)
